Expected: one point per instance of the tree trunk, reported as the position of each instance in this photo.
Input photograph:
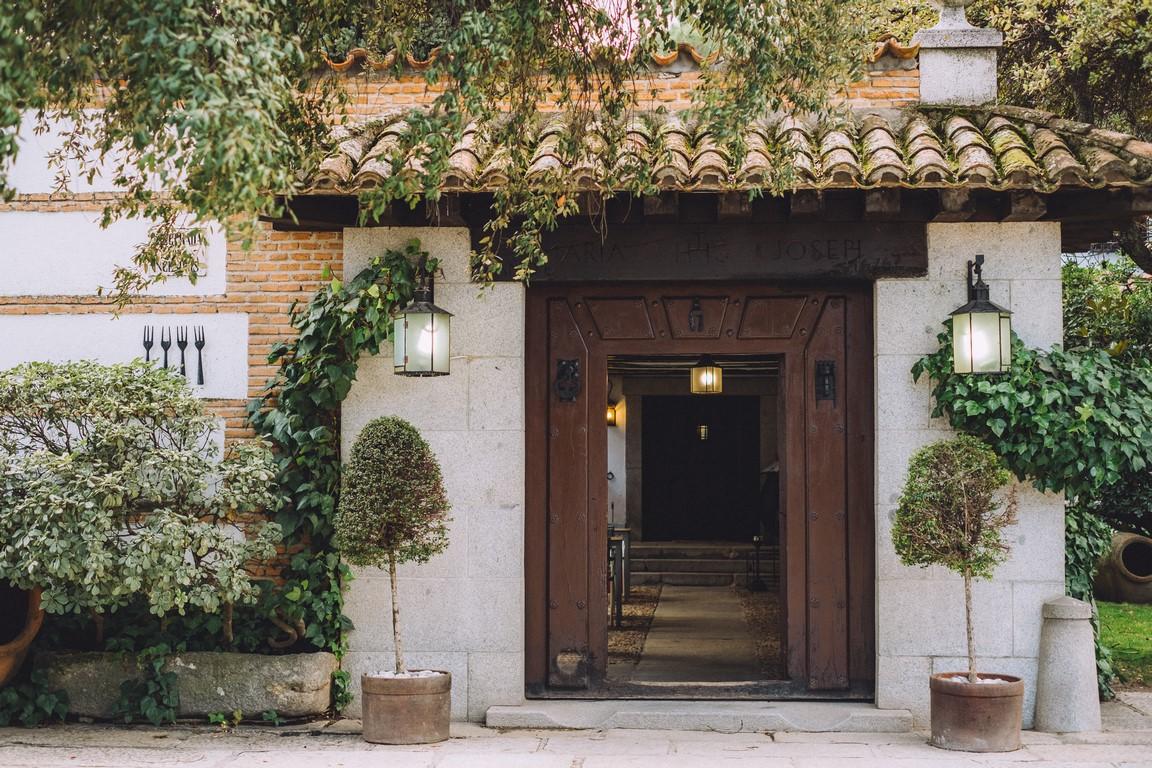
(968, 625)
(395, 614)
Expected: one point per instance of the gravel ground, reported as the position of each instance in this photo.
(625, 645)
(762, 612)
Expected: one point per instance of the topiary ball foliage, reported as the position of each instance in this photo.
(950, 512)
(392, 499)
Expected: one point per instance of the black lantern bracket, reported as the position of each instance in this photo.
(979, 293)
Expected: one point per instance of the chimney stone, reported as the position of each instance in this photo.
(957, 60)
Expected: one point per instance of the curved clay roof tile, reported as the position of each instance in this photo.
(887, 174)
(1106, 166)
(997, 146)
(836, 141)
(886, 158)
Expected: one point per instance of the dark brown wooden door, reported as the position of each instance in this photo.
(824, 338)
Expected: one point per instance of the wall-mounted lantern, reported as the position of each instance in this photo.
(611, 415)
(981, 330)
(702, 431)
(707, 377)
(423, 334)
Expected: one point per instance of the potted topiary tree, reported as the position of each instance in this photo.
(393, 510)
(952, 513)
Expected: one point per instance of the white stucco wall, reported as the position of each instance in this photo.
(920, 612)
(32, 173)
(68, 253)
(111, 339)
(463, 611)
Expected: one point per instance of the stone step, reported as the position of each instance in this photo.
(699, 552)
(722, 716)
(687, 579)
(700, 579)
(714, 565)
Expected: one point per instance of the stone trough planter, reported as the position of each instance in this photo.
(295, 685)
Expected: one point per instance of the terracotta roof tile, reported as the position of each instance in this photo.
(996, 147)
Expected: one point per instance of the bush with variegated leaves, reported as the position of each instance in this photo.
(111, 487)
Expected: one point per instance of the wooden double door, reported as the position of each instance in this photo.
(823, 336)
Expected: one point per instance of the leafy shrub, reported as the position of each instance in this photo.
(109, 490)
(950, 515)
(1073, 421)
(393, 507)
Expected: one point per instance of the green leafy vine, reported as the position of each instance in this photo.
(30, 700)
(1073, 422)
(155, 695)
(299, 412)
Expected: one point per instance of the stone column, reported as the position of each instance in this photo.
(1067, 699)
(957, 60)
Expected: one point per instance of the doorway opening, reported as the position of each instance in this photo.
(584, 342)
(694, 527)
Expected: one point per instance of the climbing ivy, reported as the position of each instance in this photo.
(299, 412)
(30, 700)
(154, 695)
(1077, 422)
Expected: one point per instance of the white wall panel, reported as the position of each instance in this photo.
(31, 173)
(67, 253)
(60, 338)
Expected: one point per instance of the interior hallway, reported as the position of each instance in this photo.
(700, 635)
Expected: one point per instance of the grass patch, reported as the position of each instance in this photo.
(1126, 628)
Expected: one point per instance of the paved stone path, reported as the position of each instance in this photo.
(475, 747)
(698, 635)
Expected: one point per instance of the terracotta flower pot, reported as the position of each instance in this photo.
(976, 717)
(413, 710)
(13, 653)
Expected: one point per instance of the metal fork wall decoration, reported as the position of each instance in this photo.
(181, 344)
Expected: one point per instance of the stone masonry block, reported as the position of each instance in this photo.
(911, 313)
(900, 400)
(488, 322)
(916, 312)
(451, 245)
(435, 403)
(496, 543)
(493, 615)
(481, 469)
(894, 448)
(495, 679)
(431, 612)
(1013, 251)
(1036, 546)
(295, 685)
(496, 393)
(902, 683)
(926, 618)
(1028, 600)
(1037, 315)
(958, 75)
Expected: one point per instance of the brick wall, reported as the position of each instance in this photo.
(888, 83)
(281, 268)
